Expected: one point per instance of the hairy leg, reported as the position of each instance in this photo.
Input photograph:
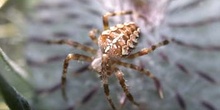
(65, 66)
(73, 44)
(121, 79)
(107, 92)
(110, 14)
(145, 51)
(144, 71)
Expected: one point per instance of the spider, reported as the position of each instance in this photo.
(115, 43)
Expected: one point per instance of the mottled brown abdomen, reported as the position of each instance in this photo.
(119, 40)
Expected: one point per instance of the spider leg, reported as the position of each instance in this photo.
(73, 44)
(106, 90)
(144, 71)
(109, 14)
(65, 66)
(145, 51)
(121, 79)
(92, 35)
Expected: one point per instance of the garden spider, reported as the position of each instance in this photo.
(114, 43)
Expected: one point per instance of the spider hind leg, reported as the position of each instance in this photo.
(65, 66)
(147, 73)
(110, 14)
(107, 92)
(145, 51)
(121, 79)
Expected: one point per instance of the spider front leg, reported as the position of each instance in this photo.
(106, 90)
(73, 44)
(145, 51)
(65, 66)
(146, 72)
(109, 14)
(121, 79)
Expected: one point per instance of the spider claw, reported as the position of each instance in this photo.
(63, 90)
(159, 88)
(161, 94)
(64, 95)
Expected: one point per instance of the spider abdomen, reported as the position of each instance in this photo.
(119, 40)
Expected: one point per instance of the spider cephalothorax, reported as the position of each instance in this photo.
(114, 43)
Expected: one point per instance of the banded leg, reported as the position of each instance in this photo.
(121, 79)
(107, 92)
(109, 14)
(73, 44)
(145, 51)
(65, 66)
(146, 72)
(92, 35)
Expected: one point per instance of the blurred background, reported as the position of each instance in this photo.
(188, 68)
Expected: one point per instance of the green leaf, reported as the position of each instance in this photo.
(13, 3)
(13, 99)
(15, 75)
